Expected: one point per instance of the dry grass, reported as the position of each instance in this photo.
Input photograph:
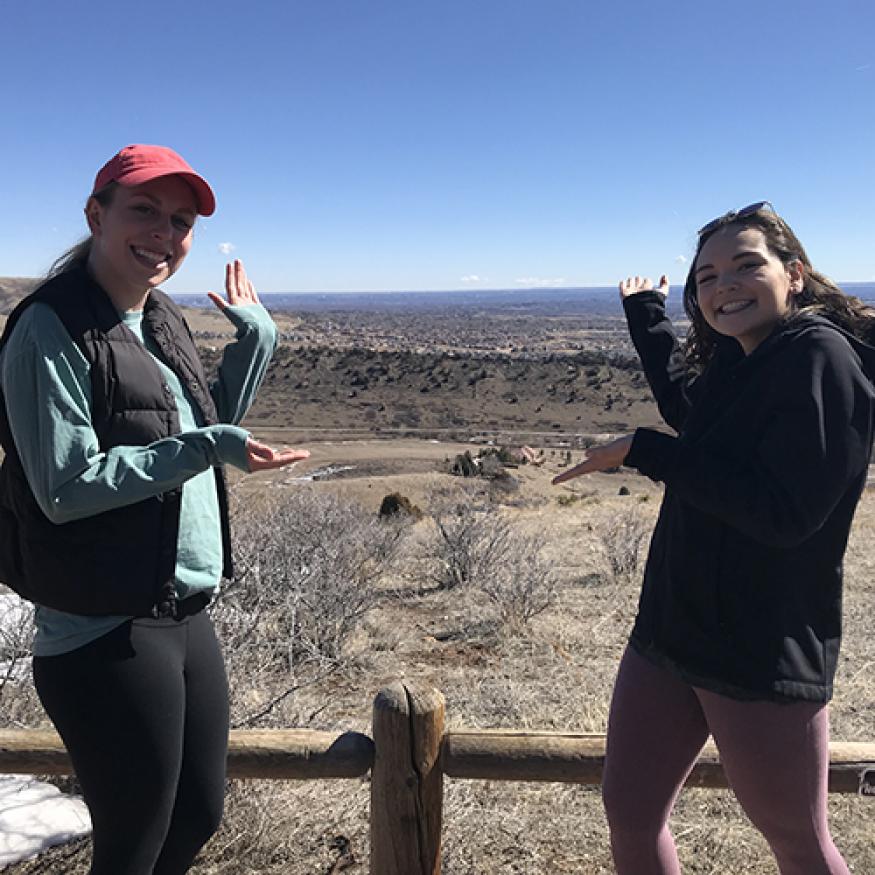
(553, 673)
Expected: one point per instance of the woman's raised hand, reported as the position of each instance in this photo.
(261, 457)
(238, 288)
(632, 285)
(610, 455)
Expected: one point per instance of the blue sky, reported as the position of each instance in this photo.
(411, 144)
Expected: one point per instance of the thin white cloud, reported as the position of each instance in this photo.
(681, 259)
(863, 67)
(471, 278)
(539, 282)
(226, 248)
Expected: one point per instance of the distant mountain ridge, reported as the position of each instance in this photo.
(13, 289)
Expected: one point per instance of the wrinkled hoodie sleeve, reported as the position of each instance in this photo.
(661, 357)
(47, 390)
(812, 446)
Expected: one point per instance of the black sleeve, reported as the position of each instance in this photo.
(815, 441)
(659, 350)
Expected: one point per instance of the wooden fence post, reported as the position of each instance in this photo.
(406, 780)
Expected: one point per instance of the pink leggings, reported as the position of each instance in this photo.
(776, 758)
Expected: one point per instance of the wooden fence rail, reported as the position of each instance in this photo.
(256, 753)
(408, 758)
(503, 755)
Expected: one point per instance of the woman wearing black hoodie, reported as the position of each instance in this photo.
(739, 620)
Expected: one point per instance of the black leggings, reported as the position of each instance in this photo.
(143, 712)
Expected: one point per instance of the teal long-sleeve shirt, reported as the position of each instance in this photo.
(72, 478)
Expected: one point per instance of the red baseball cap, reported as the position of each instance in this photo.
(137, 164)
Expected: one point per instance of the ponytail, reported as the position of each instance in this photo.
(77, 256)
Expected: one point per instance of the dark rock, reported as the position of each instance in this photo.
(396, 504)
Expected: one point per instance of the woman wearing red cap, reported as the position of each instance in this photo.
(113, 514)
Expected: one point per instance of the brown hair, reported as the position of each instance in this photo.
(819, 293)
(77, 255)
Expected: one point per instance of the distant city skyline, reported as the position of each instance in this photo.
(389, 146)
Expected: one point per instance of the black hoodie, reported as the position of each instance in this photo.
(743, 584)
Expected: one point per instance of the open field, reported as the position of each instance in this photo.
(555, 673)
(552, 672)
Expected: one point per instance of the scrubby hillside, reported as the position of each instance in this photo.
(312, 387)
(13, 289)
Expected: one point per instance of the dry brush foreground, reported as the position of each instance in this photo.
(330, 604)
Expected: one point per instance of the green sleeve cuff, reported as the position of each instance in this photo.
(251, 317)
(230, 445)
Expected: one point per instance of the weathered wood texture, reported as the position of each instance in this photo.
(33, 752)
(406, 781)
(275, 753)
(493, 755)
(507, 755)
(298, 753)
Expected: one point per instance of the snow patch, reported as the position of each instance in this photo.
(325, 473)
(35, 816)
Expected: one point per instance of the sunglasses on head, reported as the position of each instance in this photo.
(732, 215)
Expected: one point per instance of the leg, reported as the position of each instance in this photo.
(118, 705)
(197, 811)
(776, 757)
(655, 732)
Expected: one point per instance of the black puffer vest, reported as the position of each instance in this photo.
(121, 561)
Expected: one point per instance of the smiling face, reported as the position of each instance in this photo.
(742, 288)
(141, 237)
